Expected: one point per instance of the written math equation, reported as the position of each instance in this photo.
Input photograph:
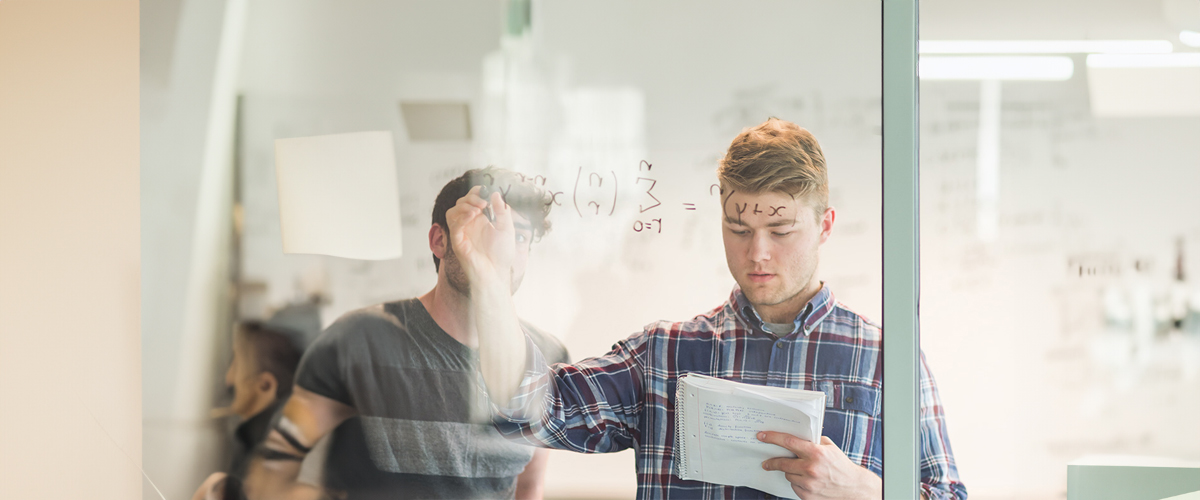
(594, 194)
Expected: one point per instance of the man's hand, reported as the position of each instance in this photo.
(485, 248)
(821, 471)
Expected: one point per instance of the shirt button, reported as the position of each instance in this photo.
(779, 345)
(849, 399)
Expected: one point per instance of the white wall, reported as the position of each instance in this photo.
(69, 400)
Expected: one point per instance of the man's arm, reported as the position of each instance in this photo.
(592, 406)
(486, 249)
(939, 473)
(307, 417)
(531, 482)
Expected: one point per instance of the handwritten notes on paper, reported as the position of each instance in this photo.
(739, 423)
(718, 420)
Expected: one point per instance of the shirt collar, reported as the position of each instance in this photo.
(816, 310)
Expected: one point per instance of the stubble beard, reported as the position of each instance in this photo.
(455, 276)
(780, 295)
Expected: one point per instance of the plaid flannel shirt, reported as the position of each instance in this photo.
(626, 398)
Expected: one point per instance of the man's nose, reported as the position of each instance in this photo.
(760, 248)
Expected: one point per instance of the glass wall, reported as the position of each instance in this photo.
(620, 109)
(1060, 235)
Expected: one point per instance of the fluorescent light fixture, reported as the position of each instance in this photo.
(987, 163)
(1180, 60)
(1190, 38)
(1051, 68)
(1045, 46)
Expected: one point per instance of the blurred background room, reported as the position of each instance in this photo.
(1060, 225)
(1060, 233)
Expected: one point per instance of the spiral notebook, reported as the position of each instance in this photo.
(716, 423)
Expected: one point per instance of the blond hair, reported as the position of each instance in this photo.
(777, 156)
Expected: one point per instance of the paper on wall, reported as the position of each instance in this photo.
(338, 195)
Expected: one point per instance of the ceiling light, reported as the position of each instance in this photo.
(995, 68)
(1045, 46)
(1181, 60)
(1190, 38)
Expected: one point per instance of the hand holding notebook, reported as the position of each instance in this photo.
(717, 422)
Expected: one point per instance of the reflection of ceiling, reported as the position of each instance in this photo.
(1042, 19)
(1113, 92)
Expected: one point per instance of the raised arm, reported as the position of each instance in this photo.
(592, 406)
(486, 249)
(307, 417)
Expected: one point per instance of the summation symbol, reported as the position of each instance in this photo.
(656, 202)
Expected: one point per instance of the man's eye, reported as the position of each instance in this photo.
(782, 234)
(740, 233)
(522, 238)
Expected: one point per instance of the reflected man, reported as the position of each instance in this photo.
(398, 385)
(780, 327)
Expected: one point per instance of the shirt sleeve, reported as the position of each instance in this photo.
(552, 350)
(320, 369)
(589, 407)
(939, 474)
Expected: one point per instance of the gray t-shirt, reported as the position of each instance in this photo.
(423, 428)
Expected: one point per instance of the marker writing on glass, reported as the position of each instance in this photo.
(486, 194)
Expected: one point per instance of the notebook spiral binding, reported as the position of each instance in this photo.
(680, 460)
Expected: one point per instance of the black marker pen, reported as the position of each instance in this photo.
(486, 194)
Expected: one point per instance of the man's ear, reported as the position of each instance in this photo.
(827, 223)
(266, 383)
(438, 241)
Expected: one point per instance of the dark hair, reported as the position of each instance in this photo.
(276, 351)
(521, 193)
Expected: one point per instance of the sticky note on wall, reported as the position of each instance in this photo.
(338, 195)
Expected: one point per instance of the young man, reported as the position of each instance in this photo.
(780, 327)
(399, 383)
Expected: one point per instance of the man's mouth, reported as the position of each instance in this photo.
(761, 277)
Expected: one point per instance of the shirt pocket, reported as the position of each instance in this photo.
(851, 416)
(849, 396)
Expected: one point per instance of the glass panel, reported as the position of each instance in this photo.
(1060, 239)
(620, 110)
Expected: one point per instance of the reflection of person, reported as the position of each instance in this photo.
(260, 375)
(780, 327)
(398, 383)
(261, 371)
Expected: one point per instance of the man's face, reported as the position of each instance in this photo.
(771, 241)
(457, 278)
